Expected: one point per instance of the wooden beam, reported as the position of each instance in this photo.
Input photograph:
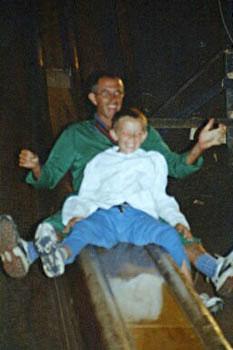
(191, 80)
(185, 123)
(229, 94)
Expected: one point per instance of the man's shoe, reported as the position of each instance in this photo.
(223, 278)
(13, 250)
(51, 255)
(213, 304)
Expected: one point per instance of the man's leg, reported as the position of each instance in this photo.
(219, 270)
(16, 254)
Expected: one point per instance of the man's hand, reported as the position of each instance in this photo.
(208, 137)
(184, 231)
(211, 137)
(30, 160)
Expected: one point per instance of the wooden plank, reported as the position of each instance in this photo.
(229, 94)
(185, 123)
(170, 331)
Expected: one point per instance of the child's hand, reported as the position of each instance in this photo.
(184, 231)
(71, 223)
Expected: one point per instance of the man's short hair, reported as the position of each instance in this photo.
(133, 113)
(94, 78)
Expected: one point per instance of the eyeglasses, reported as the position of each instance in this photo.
(108, 94)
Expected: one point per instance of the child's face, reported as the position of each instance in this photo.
(129, 134)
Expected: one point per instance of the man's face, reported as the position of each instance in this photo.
(107, 98)
(129, 133)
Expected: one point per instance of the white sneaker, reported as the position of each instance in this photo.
(45, 238)
(47, 245)
(223, 272)
(213, 304)
(54, 262)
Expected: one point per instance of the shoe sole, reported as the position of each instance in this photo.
(9, 251)
(45, 238)
(52, 269)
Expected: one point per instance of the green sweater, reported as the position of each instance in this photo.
(80, 142)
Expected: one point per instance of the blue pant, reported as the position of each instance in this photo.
(106, 228)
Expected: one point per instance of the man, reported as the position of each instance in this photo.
(80, 142)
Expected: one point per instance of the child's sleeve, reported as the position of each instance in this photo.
(167, 207)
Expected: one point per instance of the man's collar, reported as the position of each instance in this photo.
(99, 124)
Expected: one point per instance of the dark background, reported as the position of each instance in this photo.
(157, 46)
(171, 54)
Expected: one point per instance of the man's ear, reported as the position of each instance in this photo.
(113, 135)
(92, 98)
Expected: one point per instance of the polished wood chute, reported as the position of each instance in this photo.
(183, 321)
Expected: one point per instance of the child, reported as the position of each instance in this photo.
(122, 196)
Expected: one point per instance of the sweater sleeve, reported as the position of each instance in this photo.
(58, 163)
(177, 166)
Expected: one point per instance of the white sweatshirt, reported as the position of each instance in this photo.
(112, 178)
